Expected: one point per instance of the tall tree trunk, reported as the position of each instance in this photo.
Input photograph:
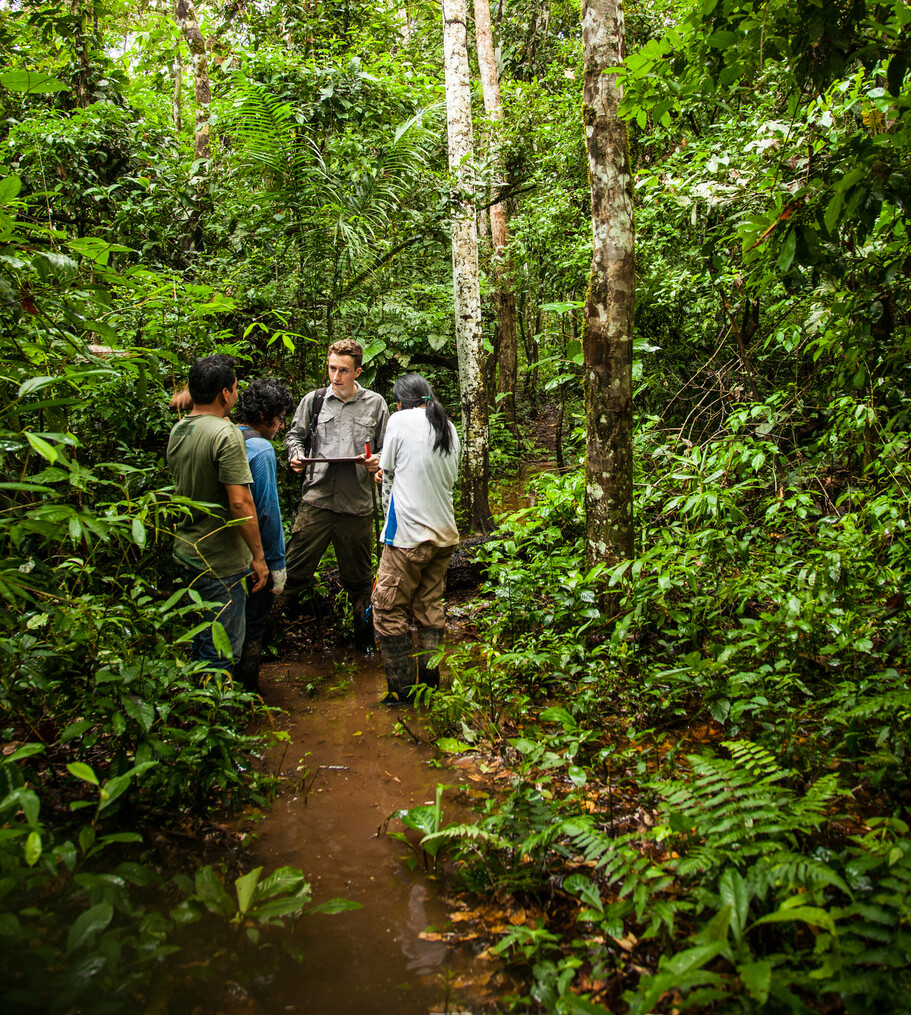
(507, 358)
(607, 337)
(177, 93)
(85, 39)
(186, 18)
(466, 285)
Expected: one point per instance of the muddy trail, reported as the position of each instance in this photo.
(345, 771)
(346, 764)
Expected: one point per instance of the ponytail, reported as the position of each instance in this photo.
(412, 391)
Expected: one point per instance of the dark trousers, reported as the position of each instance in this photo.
(228, 598)
(259, 608)
(350, 535)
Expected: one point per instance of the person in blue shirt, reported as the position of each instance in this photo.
(260, 414)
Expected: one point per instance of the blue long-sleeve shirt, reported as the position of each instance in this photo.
(264, 489)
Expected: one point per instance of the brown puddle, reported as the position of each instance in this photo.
(345, 774)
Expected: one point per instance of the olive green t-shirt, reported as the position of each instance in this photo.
(206, 453)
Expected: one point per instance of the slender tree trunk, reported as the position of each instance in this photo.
(402, 15)
(466, 284)
(186, 18)
(177, 94)
(507, 358)
(85, 39)
(607, 337)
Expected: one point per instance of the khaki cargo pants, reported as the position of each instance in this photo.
(410, 582)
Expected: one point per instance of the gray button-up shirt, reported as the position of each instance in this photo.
(341, 432)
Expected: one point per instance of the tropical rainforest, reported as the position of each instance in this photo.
(705, 729)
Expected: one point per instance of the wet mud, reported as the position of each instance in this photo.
(345, 772)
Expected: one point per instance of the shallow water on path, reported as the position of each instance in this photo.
(346, 773)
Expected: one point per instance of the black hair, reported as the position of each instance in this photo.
(413, 390)
(262, 401)
(210, 376)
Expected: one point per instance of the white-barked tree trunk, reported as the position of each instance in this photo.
(507, 361)
(466, 283)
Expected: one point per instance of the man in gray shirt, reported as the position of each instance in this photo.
(336, 503)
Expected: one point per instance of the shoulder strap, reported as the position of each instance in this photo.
(248, 433)
(317, 407)
(318, 398)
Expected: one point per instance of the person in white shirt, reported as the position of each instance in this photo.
(419, 466)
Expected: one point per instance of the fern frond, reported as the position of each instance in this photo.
(471, 832)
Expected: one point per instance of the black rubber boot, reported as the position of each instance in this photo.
(429, 640)
(398, 662)
(246, 672)
(280, 603)
(363, 625)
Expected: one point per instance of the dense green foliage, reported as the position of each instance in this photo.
(710, 743)
(763, 610)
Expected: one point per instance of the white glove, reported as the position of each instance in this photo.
(278, 581)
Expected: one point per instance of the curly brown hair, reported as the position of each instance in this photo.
(347, 347)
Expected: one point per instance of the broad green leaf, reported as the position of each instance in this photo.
(96, 249)
(75, 729)
(221, 641)
(40, 445)
(717, 928)
(212, 892)
(82, 771)
(140, 710)
(26, 751)
(9, 188)
(137, 874)
(560, 715)
(721, 40)
(171, 601)
(692, 958)
(577, 775)
(245, 886)
(786, 254)
(55, 267)
(139, 533)
(451, 746)
(812, 915)
(32, 81)
(833, 210)
(114, 788)
(88, 925)
(285, 879)
(733, 890)
(288, 905)
(32, 849)
(86, 838)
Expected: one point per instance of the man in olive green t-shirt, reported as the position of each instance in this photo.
(208, 458)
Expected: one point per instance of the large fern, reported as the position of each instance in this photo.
(733, 810)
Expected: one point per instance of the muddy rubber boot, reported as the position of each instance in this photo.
(429, 640)
(246, 672)
(398, 662)
(363, 624)
(280, 605)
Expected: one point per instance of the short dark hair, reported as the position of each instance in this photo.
(347, 347)
(262, 401)
(210, 376)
